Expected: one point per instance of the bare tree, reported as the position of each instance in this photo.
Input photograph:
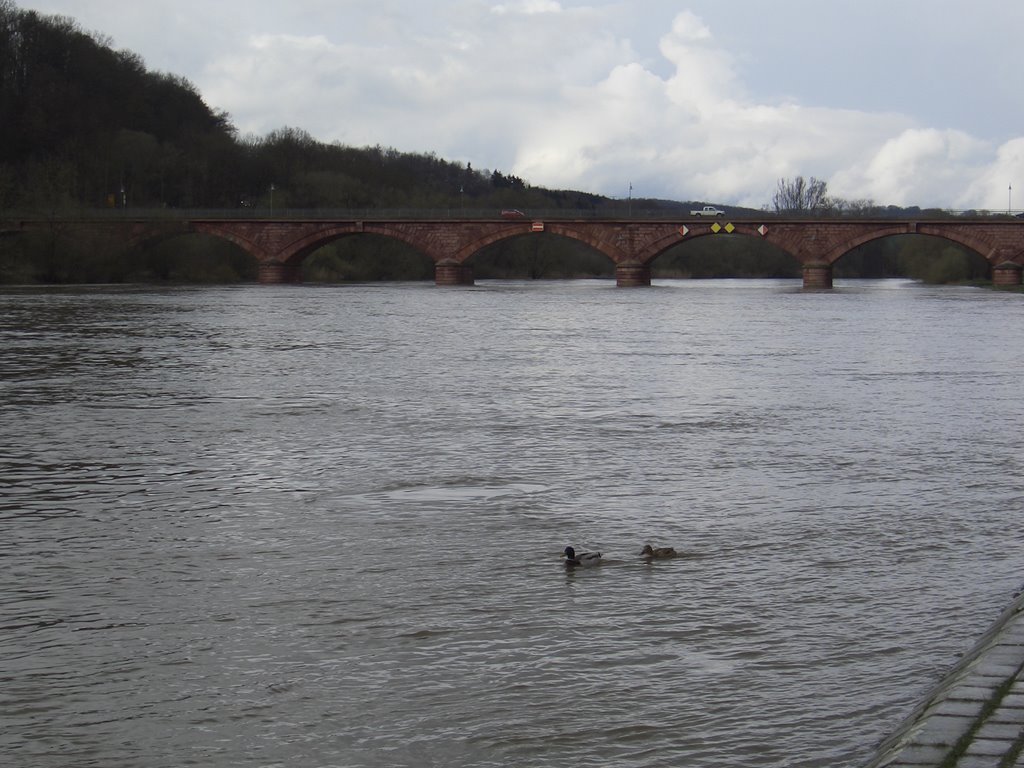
(801, 195)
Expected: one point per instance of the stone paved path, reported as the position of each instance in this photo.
(975, 717)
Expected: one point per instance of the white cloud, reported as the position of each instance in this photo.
(528, 7)
(693, 134)
(906, 168)
(994, 187)
(696, 100)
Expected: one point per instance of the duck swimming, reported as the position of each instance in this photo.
(584, 559)
(658, 553)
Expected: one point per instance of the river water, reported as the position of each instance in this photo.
(322, 526)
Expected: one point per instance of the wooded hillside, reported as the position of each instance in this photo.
(84, 126)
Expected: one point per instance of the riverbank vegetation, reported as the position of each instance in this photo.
(87, 128)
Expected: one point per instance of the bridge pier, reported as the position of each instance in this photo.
(275, 272)
(817, 275)
(449, 272)
(632, 275)
(1007, 275)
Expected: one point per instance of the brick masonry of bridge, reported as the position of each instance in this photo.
(281, 245)
(975, 717)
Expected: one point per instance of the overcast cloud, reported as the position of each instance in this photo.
(906, 102)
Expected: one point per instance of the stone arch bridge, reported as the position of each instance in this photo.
(281, 244)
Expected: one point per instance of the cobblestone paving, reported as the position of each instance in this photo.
(975, 717)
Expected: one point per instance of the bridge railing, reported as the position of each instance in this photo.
(322, 214)
(624, 213)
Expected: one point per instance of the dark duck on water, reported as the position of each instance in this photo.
(657, 553)
(584, 559)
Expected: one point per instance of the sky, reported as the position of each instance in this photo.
(898, 102)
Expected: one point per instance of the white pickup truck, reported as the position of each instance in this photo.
(707, 210)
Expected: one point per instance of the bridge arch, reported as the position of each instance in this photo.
(168, 252)
(710, 255)
(985, 246)
(836, 250)
(283, 247)
(304, 246)
(539, 255)
(363, 257)
(570, 230)
(996, 244)
(926, 257)
(232, 235)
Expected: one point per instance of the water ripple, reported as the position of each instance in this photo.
(254, 526)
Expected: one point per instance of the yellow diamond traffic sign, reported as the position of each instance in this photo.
(716, 228)
(730, 228)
